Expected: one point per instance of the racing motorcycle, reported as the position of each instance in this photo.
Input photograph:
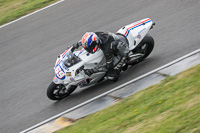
(69, 67)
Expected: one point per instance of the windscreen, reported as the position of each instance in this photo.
(71, 60)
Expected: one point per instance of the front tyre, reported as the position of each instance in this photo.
(58, 91)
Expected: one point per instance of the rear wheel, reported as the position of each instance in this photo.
(142, 50)
(58, 91)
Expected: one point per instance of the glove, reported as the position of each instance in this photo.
(76, 46)
(88, 72)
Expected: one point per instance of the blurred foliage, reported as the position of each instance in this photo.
(14, 9)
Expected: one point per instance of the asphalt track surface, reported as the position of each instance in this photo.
(29, 47)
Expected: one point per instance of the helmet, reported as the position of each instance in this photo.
(90, 42)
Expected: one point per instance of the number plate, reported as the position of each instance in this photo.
(59, 72)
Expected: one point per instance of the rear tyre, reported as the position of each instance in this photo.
(58, 91)
(145, 47)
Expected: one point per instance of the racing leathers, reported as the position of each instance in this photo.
(111, 44)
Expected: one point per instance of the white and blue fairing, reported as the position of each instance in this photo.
(136, 31)
(66, 71)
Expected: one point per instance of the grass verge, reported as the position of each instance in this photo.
(13, 9)
(171, 106)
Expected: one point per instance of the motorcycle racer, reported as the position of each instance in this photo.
(102, 54)
(111, 44)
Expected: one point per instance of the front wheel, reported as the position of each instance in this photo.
(143, 49)
(58, 91)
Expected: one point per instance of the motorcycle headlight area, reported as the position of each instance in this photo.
(72, 60)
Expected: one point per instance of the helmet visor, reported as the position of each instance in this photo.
(87, 49)
(92, 48)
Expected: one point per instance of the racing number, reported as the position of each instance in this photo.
(60, 74)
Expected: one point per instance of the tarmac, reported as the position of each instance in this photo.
(111, 97)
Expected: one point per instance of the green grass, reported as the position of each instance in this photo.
(13, 9)
(173, 106)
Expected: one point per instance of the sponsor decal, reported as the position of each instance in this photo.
(68, 74)
(141, 31)
(138, 36)
(84, 82)
(81, 83)
(72, 79)
(64, 66)
(55, 80)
